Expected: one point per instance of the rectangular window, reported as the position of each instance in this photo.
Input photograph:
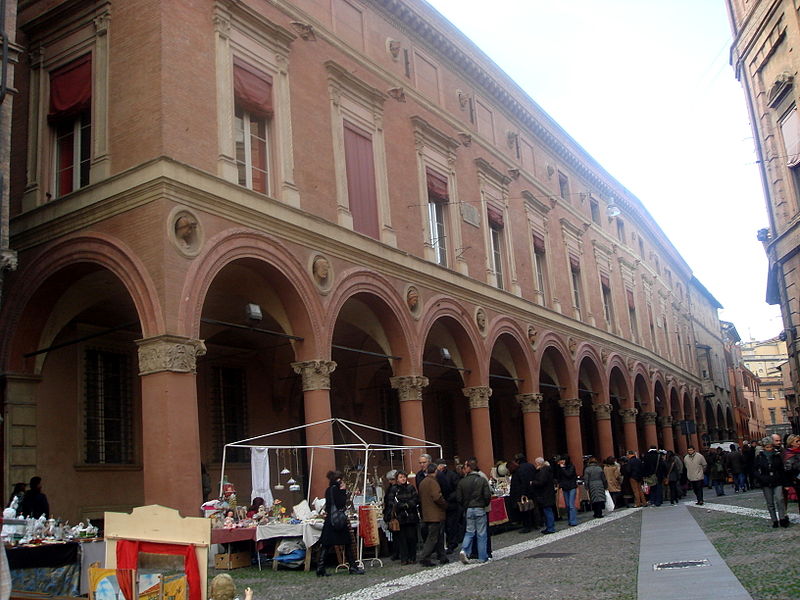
(641, 247)
(653, 338)
(772, 418)
(608, 304)
(621, 230)
(632, 315)
(361, 190)
(437, 203)
(575, 279)
(496, 225)
(563, 186)
(70, 117)
(253, 113)
(108, 422)
(229, 412)
(594, 206)
(540, 267)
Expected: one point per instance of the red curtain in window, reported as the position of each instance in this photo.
(538, 243)
(71, 88)
(128, 558)
(574, 263)
(361, 189)
(252, 88)
(631, 301)
(495, 214)
(437, 186)
(604, 281)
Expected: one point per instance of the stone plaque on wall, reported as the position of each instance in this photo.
(470, 214)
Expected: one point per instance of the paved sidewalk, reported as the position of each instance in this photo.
(671, 535)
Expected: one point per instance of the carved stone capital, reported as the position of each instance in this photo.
(171, 353)
(602, 411)
(101, 22)
(478, 396)
(8, 260)
(649, 418)
(316, 374)
(665, 421)
(628, 414)
(571, 406)
(530, 403)
(409, 387)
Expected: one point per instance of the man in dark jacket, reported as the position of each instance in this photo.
(544, 493)
(634, 472)
(453, 528)
(749, 458)
(434, 513)
(521, 478)
(34, 503)
(736, 466)
(473, 495)
(654, 472)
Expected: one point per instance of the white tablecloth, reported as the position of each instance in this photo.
(310, 532)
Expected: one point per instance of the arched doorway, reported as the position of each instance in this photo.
(553, 385)
(506, 378)
(590, 388)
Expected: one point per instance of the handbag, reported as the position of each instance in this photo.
(609, 502)
(560, 502)
(339, 520)
(525, 504)
(394, 522)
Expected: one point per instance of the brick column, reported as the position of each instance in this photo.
(602, 415)
(171, 450)
(316, 375)
(409, 390)
(650, 434)
(572, 424)
(683, 445)
(629, 425)
(481, 425)
(666, 431)
(532, 424)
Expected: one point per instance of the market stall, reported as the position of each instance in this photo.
(356, 436)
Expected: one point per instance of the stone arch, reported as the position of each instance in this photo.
(464, 333)
(508, 329)
(300, 298)
(97, 249)
(552, 346)
(380, 296)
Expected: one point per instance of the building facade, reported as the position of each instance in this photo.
(768, 360)
(235, 217)
(764, 35)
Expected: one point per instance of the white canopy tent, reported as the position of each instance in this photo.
(358, 444)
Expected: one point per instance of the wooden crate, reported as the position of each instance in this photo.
(233, 560)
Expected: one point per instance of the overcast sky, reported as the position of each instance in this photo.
(645, 86)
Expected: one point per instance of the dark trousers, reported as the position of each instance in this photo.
(697, 488)
(323, 553)
(454, 527)
(656, 494)
(674, 495)
(598, 507)
(406, 540)
(434, 542)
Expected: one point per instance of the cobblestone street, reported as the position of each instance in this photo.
(598, 559)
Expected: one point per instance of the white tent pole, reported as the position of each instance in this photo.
(222, 471)
(310, 472)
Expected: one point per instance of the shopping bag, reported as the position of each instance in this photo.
(645, 488)
(609, 502)
(560, 502)
(394, 525)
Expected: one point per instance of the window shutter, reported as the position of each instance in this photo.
(574, 263)
(361, 189)
(631, 301)
(71, 88)
(604, 281)
(538, 244)
(495, 215)
(437, 186)
(252, 88)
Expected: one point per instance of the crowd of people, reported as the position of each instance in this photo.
(441, 509)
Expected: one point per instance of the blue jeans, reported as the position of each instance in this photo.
(477, 521)
(549, 518)
(572, 512)
(656, 494)
(719, 486)
(740, 482)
